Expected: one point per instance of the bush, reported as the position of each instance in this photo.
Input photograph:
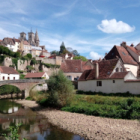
(9, 89)
(60, 89)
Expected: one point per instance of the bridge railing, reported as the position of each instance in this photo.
(23, 81)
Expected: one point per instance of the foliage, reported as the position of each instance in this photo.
(51, 65)
(2, 57)
(62, 48)
(9, 89)
(22, 76)
(29, 68)
(106, 106)
(17, 54)
(80, 57)
(75, 53)
(14, 133)
(15, 62)
(28, 98)
(60, 90)
(55, 52)
(37, 96)
(20, 71)
(33, 61)
(12, 66)
(29, 56)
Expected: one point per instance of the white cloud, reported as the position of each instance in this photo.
(95, 55)
(112, 26)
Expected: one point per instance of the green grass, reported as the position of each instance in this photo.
(106, 106)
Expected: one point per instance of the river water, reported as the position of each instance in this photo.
(34, 126)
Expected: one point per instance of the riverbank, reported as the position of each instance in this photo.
(90, 127)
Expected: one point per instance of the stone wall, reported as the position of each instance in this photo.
(7, 62)
(22, 64)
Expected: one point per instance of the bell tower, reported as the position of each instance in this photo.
(22, 36)
(36, 39)
(31, 38)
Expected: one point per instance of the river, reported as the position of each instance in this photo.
(34, 126)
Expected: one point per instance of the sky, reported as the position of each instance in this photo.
(92, 27)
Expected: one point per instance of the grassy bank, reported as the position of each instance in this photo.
(106, 106)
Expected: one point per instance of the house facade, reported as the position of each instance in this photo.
(109, 76)
(74, 68)
(8, 73)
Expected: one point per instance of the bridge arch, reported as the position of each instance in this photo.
(24, 85)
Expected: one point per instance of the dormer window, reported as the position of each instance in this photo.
(117, 69)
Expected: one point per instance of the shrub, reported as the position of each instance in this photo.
(60, 89)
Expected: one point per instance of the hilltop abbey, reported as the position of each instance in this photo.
(33, 39)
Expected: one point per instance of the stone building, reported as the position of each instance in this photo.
(33, 39)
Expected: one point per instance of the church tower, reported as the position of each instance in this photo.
(36, 39)
(31, 38)
(22, 36)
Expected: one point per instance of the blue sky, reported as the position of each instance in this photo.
(92, 27)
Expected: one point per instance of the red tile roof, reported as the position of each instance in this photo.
(76, 66)
(0, 40)
(122, 53)
(119, 75)
(25, 43)
(35, 75)
(8, 70)
(105, 69)
(134, 50)
(16, 40)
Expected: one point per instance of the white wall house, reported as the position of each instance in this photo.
(109, 76)
(8, 73)
(37, 75)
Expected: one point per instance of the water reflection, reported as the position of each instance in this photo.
(34, 127)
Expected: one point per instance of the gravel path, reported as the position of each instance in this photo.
(90, 127)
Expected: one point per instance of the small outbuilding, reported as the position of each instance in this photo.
(37, 75)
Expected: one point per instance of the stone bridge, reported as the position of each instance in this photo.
(24, 84)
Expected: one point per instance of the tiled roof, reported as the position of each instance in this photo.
(134, 50)
(8, 41)
(125, 56)
(76, 66)
(119, 75)
(121, 52)
(16, 40)
(8, 70)
(105, 69)
(25, 43)
(34, 75)
(0, 40)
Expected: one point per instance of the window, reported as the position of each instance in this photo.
(113, 81)
(117, 69)
(13, 78)
(121, 70)
(99, 83)
(3, 78)
(8, 78)
(69, 77)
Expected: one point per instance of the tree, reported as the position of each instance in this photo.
(75, 53)
(55, 52)
(62, 48)
(29, 56)
(60, 89)
(80, 57)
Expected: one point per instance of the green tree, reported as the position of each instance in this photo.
(17, 54)
(29, 56)
(75, 53)
(29, 68)
(60, 89)
(80, 57)
(55, 52)
(62, 48)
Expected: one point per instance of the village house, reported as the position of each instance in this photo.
(8, 73)
(37, 75)
(11, 43)
(129, 55)
(74, 68)
(109, 76)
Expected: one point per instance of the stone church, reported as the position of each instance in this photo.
(33, 39)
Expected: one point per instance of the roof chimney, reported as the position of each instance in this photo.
(132, 45)
(123, 44)
(96, 70)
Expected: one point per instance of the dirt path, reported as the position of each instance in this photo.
(92, 128)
